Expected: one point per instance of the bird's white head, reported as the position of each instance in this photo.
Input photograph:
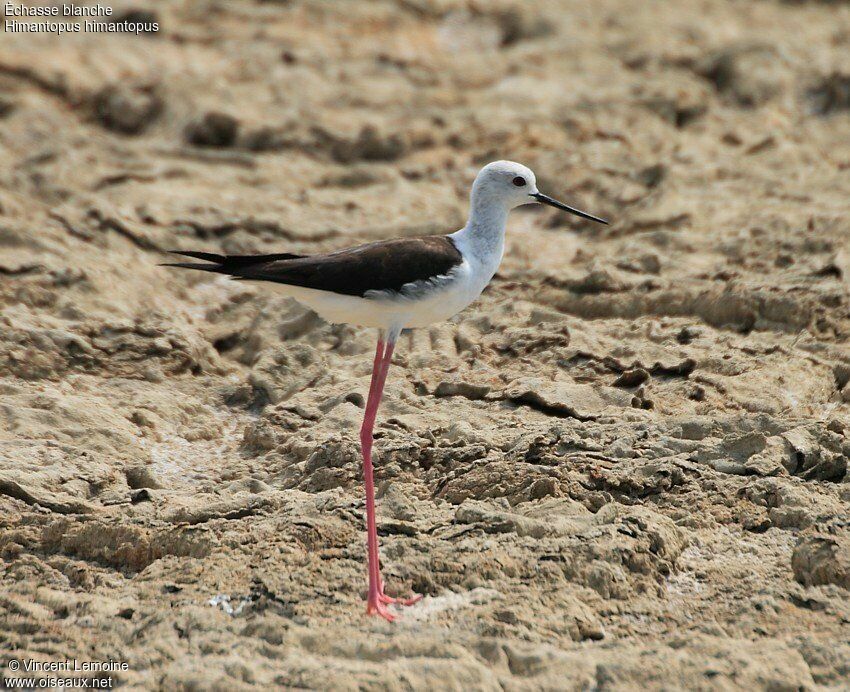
(504, 183)
(507, 184)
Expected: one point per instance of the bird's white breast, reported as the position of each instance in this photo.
(425, 302)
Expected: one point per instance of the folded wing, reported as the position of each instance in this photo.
(382, 266)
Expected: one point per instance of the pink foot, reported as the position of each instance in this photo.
(383, 598)
(400, 601)
(379, 608)
(378, 601)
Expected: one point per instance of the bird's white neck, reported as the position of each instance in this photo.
(482, 239)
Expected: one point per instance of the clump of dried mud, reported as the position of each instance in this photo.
(625, 466)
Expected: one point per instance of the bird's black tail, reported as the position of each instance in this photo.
(226, 264)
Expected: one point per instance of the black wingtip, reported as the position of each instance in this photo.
(206, 256)
(192, 265)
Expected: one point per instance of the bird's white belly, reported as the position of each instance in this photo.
(435, 305)
(416, 306)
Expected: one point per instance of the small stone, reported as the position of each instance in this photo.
(697, 394)
(264, 139)
(507, 616)
(650, 263)
(591, 629)
(814, 456)
(161, 346)
(259, 436)
(822, 559)
(142, 495)
(464, 389)
(213, 130)
(544, 487)
(371, 144)
(758, 523)
(6, 107)
(143, 418)
(830, 95)
(127, 110)
(632, 378)
(747, 74)
(387, 527)
(652, 176)
(565, 399)
(140, 476)
(687, 334)
(517, 25)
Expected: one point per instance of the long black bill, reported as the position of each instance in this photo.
(545, 199)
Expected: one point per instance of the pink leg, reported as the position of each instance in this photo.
(376, 601)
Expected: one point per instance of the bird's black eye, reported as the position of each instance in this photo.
(519, 181)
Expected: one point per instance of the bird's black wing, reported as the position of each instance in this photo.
(381, 266)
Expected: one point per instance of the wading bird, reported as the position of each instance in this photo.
(394, 285)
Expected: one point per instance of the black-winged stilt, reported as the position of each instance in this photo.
(393, 285)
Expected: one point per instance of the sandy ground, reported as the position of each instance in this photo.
(624, 467)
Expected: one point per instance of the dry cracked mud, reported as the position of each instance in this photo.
(625, 466)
